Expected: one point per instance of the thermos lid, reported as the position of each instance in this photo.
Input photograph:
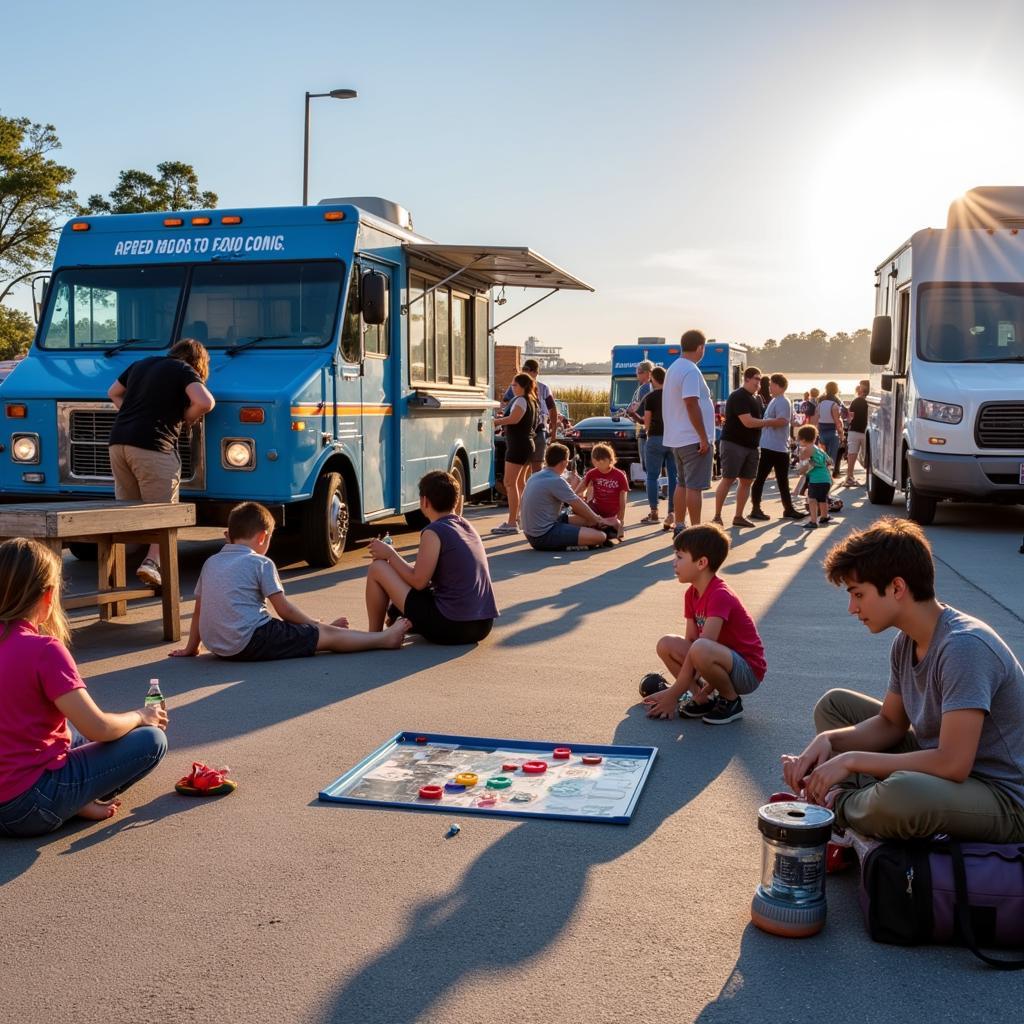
(796, 822)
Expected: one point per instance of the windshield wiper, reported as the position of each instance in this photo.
(1006, 359)
(235, 349)
(123, 343)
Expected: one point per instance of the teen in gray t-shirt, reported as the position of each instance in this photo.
(542, 500)
(966, 666)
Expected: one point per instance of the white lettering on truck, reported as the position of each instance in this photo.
(184, 246)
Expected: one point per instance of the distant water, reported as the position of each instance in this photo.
(798, 382)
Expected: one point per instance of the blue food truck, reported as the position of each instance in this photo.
(349, 355)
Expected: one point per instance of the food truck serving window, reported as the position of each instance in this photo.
(103, 306)
(275, 305)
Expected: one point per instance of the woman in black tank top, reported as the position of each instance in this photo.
(520, 424)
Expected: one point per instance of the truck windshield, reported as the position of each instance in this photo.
(100, 307)
(971, 323)
(622, 391)
(284, 305)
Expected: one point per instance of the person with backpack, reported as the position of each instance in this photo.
(944, 751)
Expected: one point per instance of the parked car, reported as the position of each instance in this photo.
(617, 431)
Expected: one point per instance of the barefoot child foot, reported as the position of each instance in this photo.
(99, 810)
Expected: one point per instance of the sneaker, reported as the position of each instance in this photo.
(717, 520)
(149, 573)
(760, 516)
(792, 513)
(810, 526)
(503, 528)
(689, 708)
(826, 521)
(724, 711)
(742, 521)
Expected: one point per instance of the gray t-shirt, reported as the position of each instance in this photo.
(776, 439)
(966, 665)
(234, 586)
(543, 497)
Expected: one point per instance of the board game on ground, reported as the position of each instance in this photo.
(520, 778)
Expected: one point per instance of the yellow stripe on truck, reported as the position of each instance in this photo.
(341, 410)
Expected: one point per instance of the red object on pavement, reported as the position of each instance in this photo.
(206, 781)
(535, 767)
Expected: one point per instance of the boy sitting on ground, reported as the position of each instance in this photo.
(721, 646)
(944, 751)
(231, 617)
(546, 526)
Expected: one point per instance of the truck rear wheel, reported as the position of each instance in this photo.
(879, 492)
(326, 523)
(920, 507)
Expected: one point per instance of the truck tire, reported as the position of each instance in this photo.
(459, 472)
(326, 524)
(879, 492)
(920, 507)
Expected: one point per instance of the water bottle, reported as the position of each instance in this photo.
(386, 539)
(154, 696)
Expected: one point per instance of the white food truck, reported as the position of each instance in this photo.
(947, 342)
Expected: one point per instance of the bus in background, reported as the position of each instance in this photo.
(723, 365)
(348, 356)
(947, 341)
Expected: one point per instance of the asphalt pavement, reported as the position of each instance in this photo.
(267, 906)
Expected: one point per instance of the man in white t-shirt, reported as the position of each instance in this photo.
(689, 415)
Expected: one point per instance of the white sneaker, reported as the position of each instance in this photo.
(505, 528)
(149, 573)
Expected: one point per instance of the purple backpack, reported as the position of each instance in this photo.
(970, 894)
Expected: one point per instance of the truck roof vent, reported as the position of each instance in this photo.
(989, 206)
(383, 208)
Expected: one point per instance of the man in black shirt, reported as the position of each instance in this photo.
(857, 430)
(738, 448)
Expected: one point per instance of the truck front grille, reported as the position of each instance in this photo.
(1000, 425)
(89, 445)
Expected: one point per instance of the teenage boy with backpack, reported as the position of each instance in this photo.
(944, 751)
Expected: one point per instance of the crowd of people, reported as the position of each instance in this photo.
(942, 753)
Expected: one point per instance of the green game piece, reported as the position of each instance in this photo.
(499, 782)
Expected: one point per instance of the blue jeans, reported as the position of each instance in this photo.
(657, 457)
(830, 438)
(91, 771)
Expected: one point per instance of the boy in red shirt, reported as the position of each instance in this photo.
(605, 488)
(722, 652)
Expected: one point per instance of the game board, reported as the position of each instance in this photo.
(418, 771)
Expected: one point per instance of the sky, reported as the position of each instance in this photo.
(738, 167)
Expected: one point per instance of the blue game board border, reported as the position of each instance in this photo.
(329, 793)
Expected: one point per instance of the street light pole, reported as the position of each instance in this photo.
(335, 94)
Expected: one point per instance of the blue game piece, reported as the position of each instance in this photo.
(453, 830)
(454, 787)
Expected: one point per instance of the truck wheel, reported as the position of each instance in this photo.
(326, 525)
(920, 508)
(459, 472)
(879, 492)
(83, 552)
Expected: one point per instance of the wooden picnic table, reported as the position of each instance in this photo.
(110, 526)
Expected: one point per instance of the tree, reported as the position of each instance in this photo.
(34, 195)
(16, 330)
(176, 188)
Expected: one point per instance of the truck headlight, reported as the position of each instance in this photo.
(238, 453)
(940, 412)
(25, 448)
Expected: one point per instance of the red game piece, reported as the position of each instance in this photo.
(561, 753)
(431, 792)
(592, 759)
(535, 767)
(510, 767)
(421, 739)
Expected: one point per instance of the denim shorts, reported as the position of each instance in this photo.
(742, 676)
(692, 468)
(561, 536)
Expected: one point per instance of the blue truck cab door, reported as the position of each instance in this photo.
(365, 393)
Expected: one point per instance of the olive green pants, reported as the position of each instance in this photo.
(913, 805)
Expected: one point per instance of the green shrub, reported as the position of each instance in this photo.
(583, 402)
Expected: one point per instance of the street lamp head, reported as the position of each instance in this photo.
(343, 94)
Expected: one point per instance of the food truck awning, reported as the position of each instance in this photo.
(511, 265)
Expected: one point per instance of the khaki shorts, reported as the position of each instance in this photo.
(144, 475)
(854, 442)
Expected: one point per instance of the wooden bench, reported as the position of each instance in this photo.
(110, 526)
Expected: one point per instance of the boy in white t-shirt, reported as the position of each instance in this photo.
(689, 415)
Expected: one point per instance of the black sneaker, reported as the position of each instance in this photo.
(689, 708)
(810, 526)
(759, 516)
(792, 513)
(652, 683)
(724, 711)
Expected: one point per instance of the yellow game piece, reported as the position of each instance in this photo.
(467, 779)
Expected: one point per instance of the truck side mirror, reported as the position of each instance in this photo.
(39, 286)
(373, 297)
(881, 340)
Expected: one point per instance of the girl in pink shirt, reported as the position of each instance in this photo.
(47, 775)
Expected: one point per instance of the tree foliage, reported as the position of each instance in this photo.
(16, 330)
(174, 187)
(34, 194)
(816, 351)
